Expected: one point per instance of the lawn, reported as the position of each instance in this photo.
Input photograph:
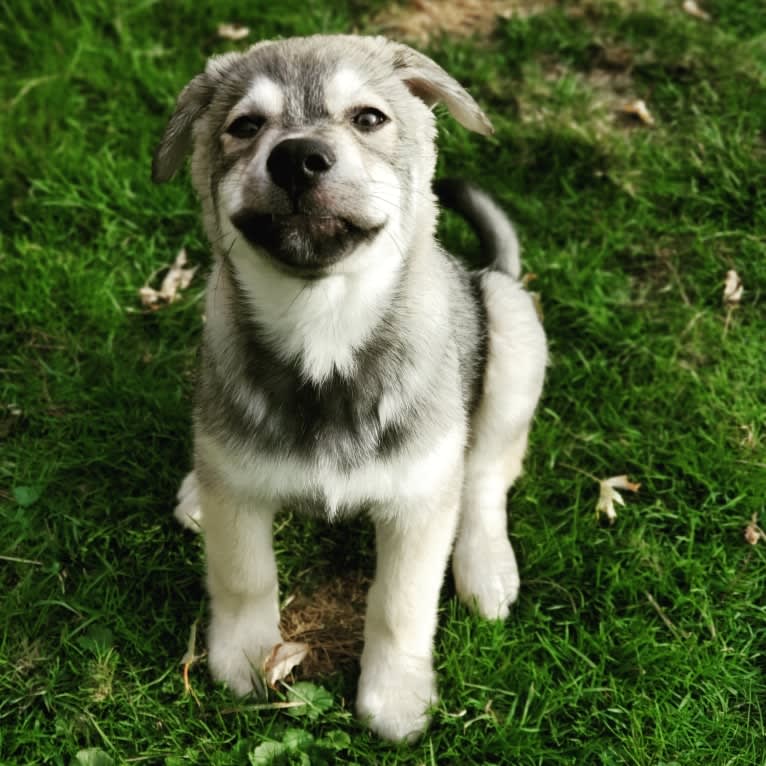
(639, 642)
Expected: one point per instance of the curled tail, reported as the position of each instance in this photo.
(495, 232)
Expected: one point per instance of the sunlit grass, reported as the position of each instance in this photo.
(639, 643)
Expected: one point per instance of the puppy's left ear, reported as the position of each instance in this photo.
(430, 83)
(177, 140)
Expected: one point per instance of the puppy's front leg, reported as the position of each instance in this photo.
(242, 582)
(398, 684)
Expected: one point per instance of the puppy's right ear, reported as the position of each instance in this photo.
(177, 139)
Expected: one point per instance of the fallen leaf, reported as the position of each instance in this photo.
(732, 296)
(749, 440)
(732, 289)
(753, 533)
(233, 31)
(178, 278)
(608, 495)
(639, 109)
(691, 7)
(283, 658)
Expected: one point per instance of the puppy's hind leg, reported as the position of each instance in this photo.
(483, 562)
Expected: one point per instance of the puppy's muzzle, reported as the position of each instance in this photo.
(316, 230)
(298, 164)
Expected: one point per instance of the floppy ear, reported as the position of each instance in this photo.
(430, 83)
(177, 139)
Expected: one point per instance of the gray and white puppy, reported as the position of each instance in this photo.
(349, 364)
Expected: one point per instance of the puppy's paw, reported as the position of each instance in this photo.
(237, 651)
(394, 696)
(486, 576)
(188, 511)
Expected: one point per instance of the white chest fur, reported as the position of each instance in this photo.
(396, 482)
(320, 323)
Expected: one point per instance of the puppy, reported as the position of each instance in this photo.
(349, 364)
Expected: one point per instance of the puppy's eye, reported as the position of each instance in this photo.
(369, 118)
(245, 126)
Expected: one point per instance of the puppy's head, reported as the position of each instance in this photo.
(304, 149)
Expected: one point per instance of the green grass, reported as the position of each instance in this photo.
(630, 231)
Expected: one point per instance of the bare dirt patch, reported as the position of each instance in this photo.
(423, 20)
(331, 621)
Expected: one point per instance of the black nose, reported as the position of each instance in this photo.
(296, 164)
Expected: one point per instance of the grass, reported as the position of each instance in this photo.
(640, 643)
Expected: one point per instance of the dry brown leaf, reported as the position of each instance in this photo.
(749, 440)
(732, 289)
(732, 296)
(608, 495)
(691, 7)
(283, 658)
(639, 109)
(753, 533)
(178, 278)
(233, 31)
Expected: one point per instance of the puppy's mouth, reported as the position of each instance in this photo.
(303, 242)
